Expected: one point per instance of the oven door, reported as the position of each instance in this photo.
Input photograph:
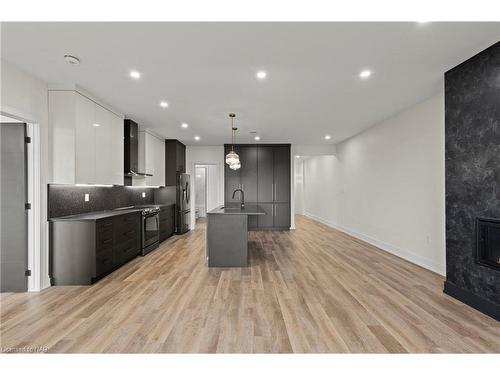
(150, 230)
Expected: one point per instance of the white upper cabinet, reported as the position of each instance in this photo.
(159, 162)
(151, 160)
(86, 140)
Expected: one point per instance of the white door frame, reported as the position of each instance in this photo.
(220, 168)
(34, 190)
(204, 166)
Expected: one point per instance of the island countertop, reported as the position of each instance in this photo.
(250, 209)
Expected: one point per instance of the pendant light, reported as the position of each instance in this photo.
(232, 158)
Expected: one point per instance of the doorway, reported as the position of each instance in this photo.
(200, 201)
(206, 190)
(13, 204)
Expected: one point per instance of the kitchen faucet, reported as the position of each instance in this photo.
(242, 196)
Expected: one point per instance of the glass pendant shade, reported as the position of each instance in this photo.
(232, 158)
(235, 166)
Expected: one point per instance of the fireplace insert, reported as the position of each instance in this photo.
(488, 242)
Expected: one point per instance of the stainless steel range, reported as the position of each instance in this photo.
(150, 229)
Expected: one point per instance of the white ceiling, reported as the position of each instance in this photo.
(206, 70)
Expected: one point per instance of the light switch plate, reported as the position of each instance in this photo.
(144, 194)
(87, 197)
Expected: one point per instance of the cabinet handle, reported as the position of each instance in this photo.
(129, 232)
(108, 224)
(272, 208)
(272, 191)
(106, 241)
(274, 194)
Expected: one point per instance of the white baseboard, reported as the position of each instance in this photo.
(384, 246)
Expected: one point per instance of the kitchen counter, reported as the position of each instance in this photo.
(227, 235)
(106, 214)
(251, 209)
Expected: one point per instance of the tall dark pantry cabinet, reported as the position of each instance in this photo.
(264, 176)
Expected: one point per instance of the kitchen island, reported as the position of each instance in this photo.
(227, 235)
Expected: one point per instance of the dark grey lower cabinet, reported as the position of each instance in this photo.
(267, 220)
(167, 222)
(264, 176)
(277, 216)
(82, 252)
(282, 215)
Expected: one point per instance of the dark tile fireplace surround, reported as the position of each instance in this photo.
(472, 159)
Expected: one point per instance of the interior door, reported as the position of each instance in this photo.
(13, 197)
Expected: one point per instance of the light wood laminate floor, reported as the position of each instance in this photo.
(310, 290)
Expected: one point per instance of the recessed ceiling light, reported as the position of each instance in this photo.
(96, 125)
(70, 59)
(261, 74)
(196, 138)
(328, 137)
(163, 104)
(257, 138)
(135, 74)
(365, 74)
(297, 156)
(184, 125)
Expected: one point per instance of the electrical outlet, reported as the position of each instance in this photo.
(144, 194)
(87, 197)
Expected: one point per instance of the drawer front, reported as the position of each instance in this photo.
(126, 233)
(126, 251)
(104, 262)
(126, 228)
(105, 224)
(128, 219)
(104, 238)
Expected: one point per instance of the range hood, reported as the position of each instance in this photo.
(131, 146)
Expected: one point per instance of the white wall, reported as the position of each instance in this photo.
(387, 185)
(298, 186)
(321, 188)
(206, 155)
(25, 97)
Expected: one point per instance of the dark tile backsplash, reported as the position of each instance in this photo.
(70, 199)
(472, 118)
(165, 195)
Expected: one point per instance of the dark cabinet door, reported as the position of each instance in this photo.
(281, 173)
(181, 158)
(248, 157)
(282, 215)
(253, 222)
(265, 171)
(167, 222)
(266, 221)
(232, 179)
(175, 161)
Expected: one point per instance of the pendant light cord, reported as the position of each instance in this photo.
(232, 134)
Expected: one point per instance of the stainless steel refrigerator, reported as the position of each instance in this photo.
(183, 218)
